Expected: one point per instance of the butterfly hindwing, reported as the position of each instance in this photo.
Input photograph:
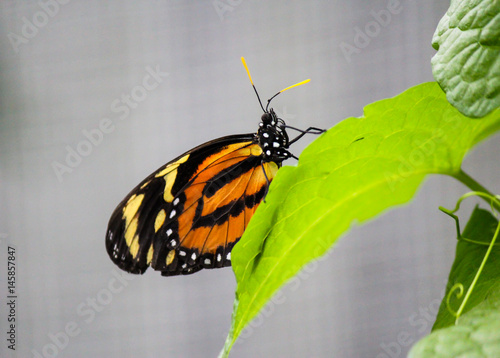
(189, 213)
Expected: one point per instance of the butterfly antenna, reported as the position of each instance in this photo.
(283, 90)
(250, 77)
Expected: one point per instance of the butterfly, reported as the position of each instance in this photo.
(189, 213)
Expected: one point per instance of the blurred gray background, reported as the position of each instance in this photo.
(68, 71)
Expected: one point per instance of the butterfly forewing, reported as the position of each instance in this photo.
(189, 213)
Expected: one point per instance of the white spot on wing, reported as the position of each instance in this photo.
(172, 214)
(228, 256)
(182, 253)
(207, 261)
(176, 201)
(219, 257)
(193, 256)
(169, 232)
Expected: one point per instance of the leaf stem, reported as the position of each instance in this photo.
(470, 182)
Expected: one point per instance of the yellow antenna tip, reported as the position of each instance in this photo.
(295, 85)
(246, 68)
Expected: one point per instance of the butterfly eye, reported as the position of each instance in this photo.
(266, 118)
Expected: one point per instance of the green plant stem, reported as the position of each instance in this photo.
(468, 181)
(471, 288)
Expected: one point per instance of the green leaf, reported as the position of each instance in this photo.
(467, 64)
(477, 334)
(356, 170)
(469, 255)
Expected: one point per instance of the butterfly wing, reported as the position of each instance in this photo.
(190, 213)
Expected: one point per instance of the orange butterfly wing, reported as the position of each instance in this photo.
(190, 213)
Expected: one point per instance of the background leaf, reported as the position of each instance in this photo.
(356, 170)
(477, 334)
(467, 64)
(481, 227)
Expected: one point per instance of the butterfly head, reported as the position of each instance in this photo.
(272, 136)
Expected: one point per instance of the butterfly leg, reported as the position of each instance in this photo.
(267, 180)
(311, 130)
